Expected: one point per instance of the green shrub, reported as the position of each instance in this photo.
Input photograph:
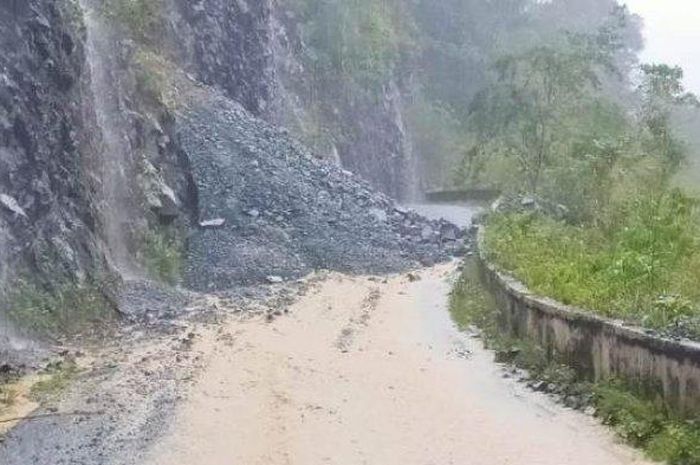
(63, 309)
(470, 304)
(648, 424)
(358, 41)
(678, 443)
(637, 421)
(143, 18)
(162, 256)
(642, 266)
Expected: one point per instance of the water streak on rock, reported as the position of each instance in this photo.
(112, 143)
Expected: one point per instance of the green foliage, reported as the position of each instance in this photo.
(59, 376)
(530, 246)
(143, 18)
(547, 123)
(162, 255)
(64, 308)
(355, 40)
(635, 420)
(591, 162)
(532, 110)
(470, 304)
(660, 92)
(678, 443)
(641, 267)
(648, 424)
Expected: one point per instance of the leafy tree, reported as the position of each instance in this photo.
(547, 108)
(354, 40)
(439, 50)
(661, 92)
(524, 114)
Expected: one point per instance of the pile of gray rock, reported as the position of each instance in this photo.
(265, 207)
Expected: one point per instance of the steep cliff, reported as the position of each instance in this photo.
(49, 226)
(227, 44)
(138, 140)
(360, 125)
(255, 53)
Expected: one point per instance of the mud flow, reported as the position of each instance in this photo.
(370, 371)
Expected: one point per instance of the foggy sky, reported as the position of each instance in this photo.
(672, 32)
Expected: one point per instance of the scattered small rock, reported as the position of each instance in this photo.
(379, 214)
(528, 202)
(538, 386)
(11, 204)
(427, 233)
(413, 277)
(213, 224)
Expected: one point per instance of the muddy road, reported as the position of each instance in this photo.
(332, 369)
(370, 371)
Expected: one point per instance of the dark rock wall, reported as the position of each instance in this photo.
(363, 131)
(252, 50)
(52, 230)
(53, 213)
(227, 44)
(373, 141)
(53, 210)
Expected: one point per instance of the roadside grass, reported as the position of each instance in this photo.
(644, 269)
(8, 396)
(162, 255)
(639, 420)
(470, 305)
(59, 376)
(648, 424)
(65, 309)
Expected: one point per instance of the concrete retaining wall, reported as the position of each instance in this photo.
(596, 347)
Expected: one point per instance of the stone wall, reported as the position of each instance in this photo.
(596, 347)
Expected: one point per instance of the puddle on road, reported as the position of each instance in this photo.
(493, 382)
(460, 214)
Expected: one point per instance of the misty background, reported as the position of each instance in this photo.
(671, 35)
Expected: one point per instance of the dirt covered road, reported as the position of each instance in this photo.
(369, 371)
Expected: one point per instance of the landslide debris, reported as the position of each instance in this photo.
(279, 211)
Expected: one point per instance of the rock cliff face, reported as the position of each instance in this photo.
(48, 223)
(252, 50)
(228, 44)
(123, 135)
(362, 131)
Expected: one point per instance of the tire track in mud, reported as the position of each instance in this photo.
(357, 322)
